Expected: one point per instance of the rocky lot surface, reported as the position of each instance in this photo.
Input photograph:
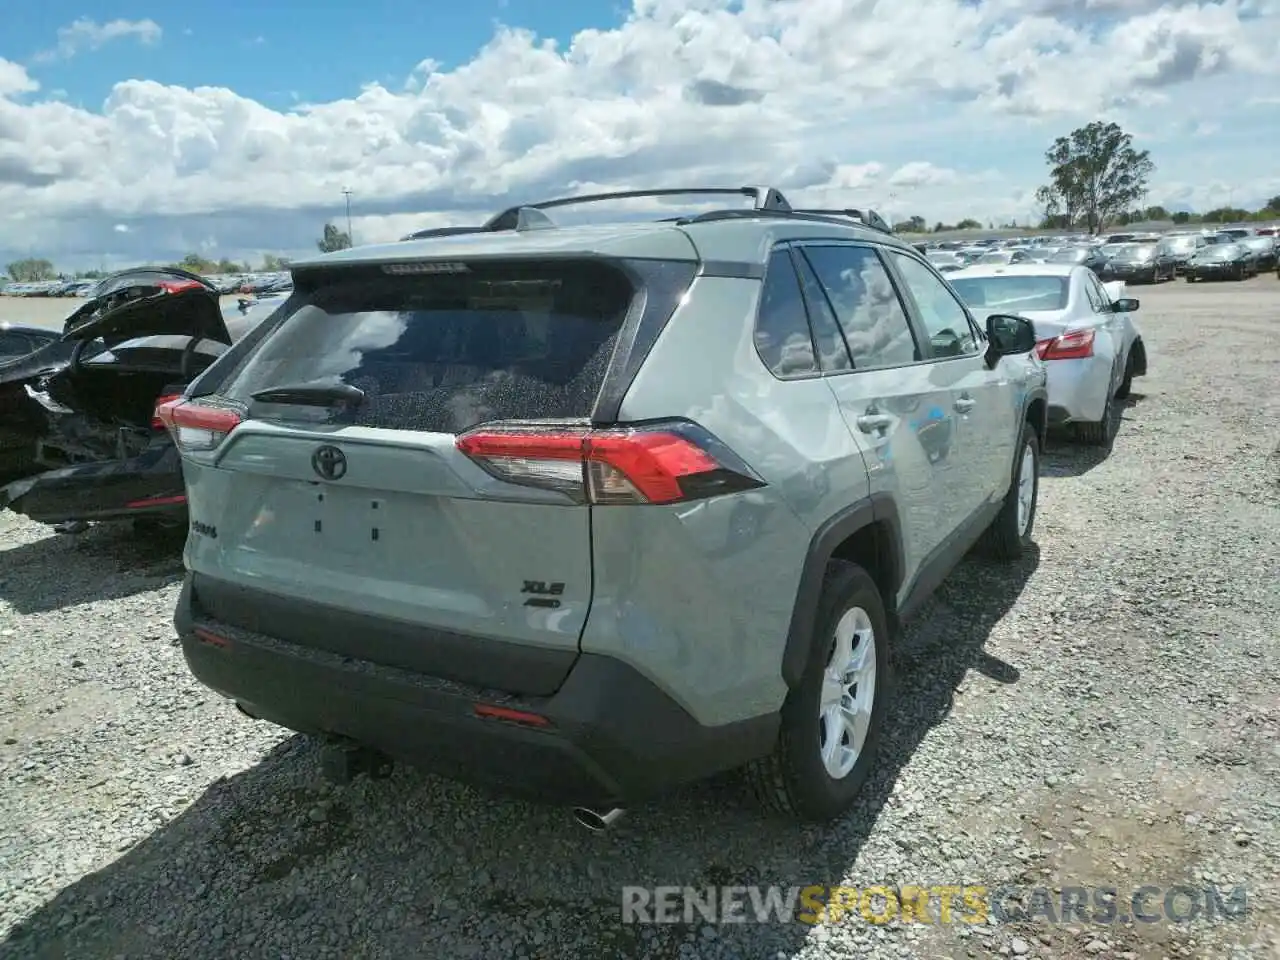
(1107, 714)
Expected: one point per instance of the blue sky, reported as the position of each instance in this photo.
(140, 130)
(270, 51)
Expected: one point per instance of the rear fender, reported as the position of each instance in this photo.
(877, 508)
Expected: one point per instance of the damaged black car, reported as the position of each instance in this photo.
(79, 440)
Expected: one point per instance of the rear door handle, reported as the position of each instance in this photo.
(964, 404)
(874, 422)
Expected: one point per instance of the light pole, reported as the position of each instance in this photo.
(346, 192)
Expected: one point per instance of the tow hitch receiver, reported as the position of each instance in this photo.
(343, 761)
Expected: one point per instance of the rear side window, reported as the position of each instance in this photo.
(826, 331)
(1091, 290)
(445, 352)
(1098, 294)
(782, 326)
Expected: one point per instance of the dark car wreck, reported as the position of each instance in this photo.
(78, 436)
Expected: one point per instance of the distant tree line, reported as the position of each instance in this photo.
(36, 269)
(1157, 213)
(1097, 179)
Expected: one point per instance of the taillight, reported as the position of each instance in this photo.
(659, 463)
(1074, 345)
(489, 711)
(177, 286)
(157, 421)
(196, 426)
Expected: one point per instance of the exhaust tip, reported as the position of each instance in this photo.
(595, 821)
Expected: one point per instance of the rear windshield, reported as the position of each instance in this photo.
(1069, 255)
(1142, 252)
(445, 352)
(1014, 292)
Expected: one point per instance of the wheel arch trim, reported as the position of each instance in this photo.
(879, 508)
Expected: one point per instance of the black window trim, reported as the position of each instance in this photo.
(1100, 289)
(797, 255)
(916, 317)
(785, 248)
(876, 250)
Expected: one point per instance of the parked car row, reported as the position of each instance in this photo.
(1229, 253)
(259, 283)
(248, 283)
(48, 288)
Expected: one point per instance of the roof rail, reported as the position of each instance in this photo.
(763, 198)
(866, 217)
(871, 219)
(766, 201)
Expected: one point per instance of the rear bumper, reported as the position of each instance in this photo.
(1077, 390)
(146, 485)
(1141, 275)
(612, 736)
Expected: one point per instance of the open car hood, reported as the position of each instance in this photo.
(49, 359)
(149, 301)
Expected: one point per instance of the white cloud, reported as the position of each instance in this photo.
(944, 105)
(86, 34)
(14, 79)
(920, 173)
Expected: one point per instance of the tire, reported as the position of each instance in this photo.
(1126, 385)
(794, 780)
(1009, 535)
(1102, 432)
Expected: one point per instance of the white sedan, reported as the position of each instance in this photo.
(1085, 333)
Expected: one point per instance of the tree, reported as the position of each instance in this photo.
(1273, 203)
(1095, 174)
(333, 239)
(31, 270)
(914, 224)
(273, 264)
(968, 223)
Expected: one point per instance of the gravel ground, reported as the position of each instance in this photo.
(1107, 714)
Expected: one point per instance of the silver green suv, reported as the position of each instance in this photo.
(587, 511)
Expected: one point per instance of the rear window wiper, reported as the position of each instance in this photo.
(313, 394)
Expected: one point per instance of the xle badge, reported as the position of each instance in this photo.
(545, 594)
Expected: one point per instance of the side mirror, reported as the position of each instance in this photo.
(1009, 335)
(1124, 305)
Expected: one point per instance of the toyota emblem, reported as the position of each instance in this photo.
(329, 462)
